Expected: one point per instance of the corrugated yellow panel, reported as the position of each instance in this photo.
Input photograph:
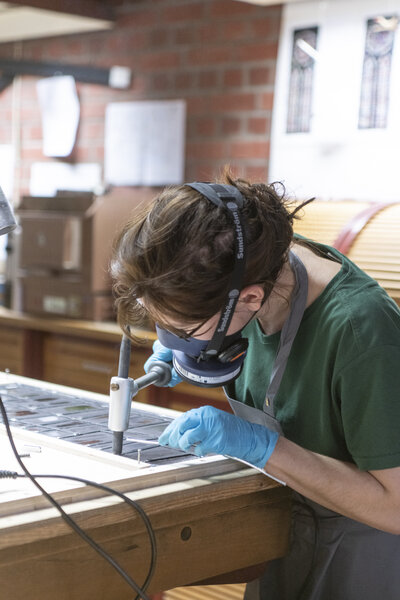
(206, 592)
(375, 248)
(322, 221)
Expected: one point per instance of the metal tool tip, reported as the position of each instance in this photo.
(118, 438)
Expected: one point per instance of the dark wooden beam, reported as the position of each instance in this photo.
(84, 8)
(10, 67)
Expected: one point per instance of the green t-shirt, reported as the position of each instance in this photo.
(340, 393)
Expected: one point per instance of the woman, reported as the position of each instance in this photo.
(317, 401)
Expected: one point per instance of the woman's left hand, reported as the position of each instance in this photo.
(207, 430)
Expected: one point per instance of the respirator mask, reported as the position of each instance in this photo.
(215, 362)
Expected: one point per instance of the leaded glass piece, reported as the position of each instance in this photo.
(375, 84)
(301, 80)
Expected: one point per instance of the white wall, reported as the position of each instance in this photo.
(336, 160)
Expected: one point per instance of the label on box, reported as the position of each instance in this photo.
(74, 306)
(55, 304)
(61, 305)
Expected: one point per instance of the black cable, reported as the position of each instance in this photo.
(139, 590)
(14, 475)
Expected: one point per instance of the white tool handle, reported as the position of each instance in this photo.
(121, 391)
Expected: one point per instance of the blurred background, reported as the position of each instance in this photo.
(112, 99)
(103, 102)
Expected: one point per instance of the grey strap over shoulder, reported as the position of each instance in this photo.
(289, 329)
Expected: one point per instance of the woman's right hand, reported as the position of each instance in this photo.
(160, 352)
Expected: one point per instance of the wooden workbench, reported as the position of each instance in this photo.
(211, 517)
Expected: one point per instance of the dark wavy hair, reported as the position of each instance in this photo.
(177, 255)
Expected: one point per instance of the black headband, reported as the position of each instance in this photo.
(228, 197)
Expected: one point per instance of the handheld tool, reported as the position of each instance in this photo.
(123, 388)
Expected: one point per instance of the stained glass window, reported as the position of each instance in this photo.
(301, 80)
(374, 102)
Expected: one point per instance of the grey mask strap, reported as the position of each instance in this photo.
(289, 329)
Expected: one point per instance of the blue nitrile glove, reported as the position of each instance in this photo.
(207, 430)
(160, 352)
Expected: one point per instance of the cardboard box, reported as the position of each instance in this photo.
(65, 250)
(64, 297)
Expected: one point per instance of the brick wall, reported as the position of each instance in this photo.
(218, 55)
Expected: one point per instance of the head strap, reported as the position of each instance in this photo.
(229, 198)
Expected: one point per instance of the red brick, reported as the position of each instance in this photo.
(159, 60)
(185, 35)
(33, 154)
(32, 133)
(98, 153)
(136, 41)
(234, 31)
(114, 44)
(259, 125)
(7, 50)
(33, 51)
(97, 94)
(29, 114)
(206, 150)
(257, 51)
(229, 31)
(206, 52)
(224, 8)
(230, 125)
(229, 102)
(236, 168)
(75, 47)
(160, 82)
(233, 77)
(247, 149)
(139, 83)
(265, 27)
(158, 38)
(89, 110)
(191, 12)
(261, 75)
(205, 126)
(208, 56)
(267, 100)
(207, 79)
(91, 131)
(184, 80)
(207, 171)
(85, 153)
(197, 105)
(88, 92)
(256, 173)
(136, 19)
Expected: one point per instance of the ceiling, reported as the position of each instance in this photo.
(44, 18)
(270, 2)
(30, 19)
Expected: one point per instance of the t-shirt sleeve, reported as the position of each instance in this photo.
(368, 392)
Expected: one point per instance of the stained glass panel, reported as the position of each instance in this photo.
(301, 80)
(374, 101)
